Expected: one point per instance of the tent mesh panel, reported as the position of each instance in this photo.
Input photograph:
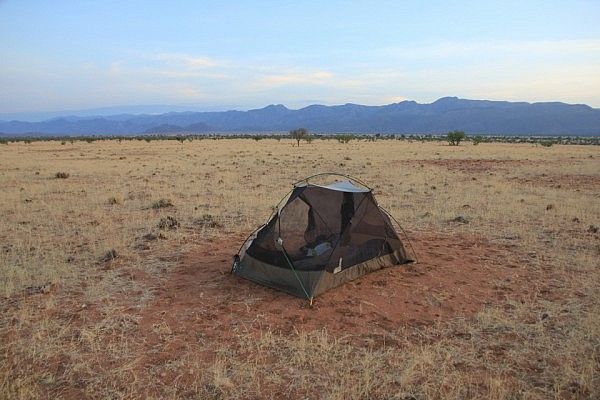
(323, 229)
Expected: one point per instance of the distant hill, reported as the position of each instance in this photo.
(165, 128)
(107, 111)
(441, 116)
(198, 127)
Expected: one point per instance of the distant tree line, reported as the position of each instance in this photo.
(454, 138)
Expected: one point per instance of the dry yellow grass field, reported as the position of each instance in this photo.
(103, 296)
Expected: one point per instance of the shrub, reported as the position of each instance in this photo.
(455, 137)
(109, 256)
(162, 203)
(460, 219)
(61, 175)
(344, 138)
(168, 223)
(547, 143)
(476, 140)
(208, 221)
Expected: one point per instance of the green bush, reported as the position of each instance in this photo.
(344, 138)
(455, 137)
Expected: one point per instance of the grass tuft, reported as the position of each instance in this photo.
(162, 203)
(61, 175)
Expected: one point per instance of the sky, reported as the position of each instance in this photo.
(68, 55)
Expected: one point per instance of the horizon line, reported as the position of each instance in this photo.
(246, 109)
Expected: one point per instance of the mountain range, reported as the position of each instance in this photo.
(406, 117)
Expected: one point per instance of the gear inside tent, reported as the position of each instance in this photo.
(319, 237)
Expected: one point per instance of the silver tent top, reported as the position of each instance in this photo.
(343, 186)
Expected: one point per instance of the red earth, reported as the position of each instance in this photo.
(456, 275)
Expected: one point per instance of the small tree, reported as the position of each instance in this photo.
(455, 137)
(299, 134)
(476, 140)
(345, 138)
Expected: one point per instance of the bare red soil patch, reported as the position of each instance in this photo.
(468, 165)
(199, 307)
(566, 181)
(457, 275)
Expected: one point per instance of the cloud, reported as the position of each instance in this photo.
(115, 68)
(187, 60)
(294, 78)
(189, 92)
(176, 66)
(172, 73)
(563, 70)
(395, 99)
(379, 83)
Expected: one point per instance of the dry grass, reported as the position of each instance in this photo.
(71, 321)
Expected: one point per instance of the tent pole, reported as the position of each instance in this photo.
(403, 231)
(308, 297)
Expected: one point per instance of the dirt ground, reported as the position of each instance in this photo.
(116, 279)
(457, 275)
(453, 277)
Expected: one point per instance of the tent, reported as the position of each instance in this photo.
(319, 237)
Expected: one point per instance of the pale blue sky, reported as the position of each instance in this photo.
(60, 55)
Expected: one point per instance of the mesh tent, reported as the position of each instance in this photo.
(319, 237)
